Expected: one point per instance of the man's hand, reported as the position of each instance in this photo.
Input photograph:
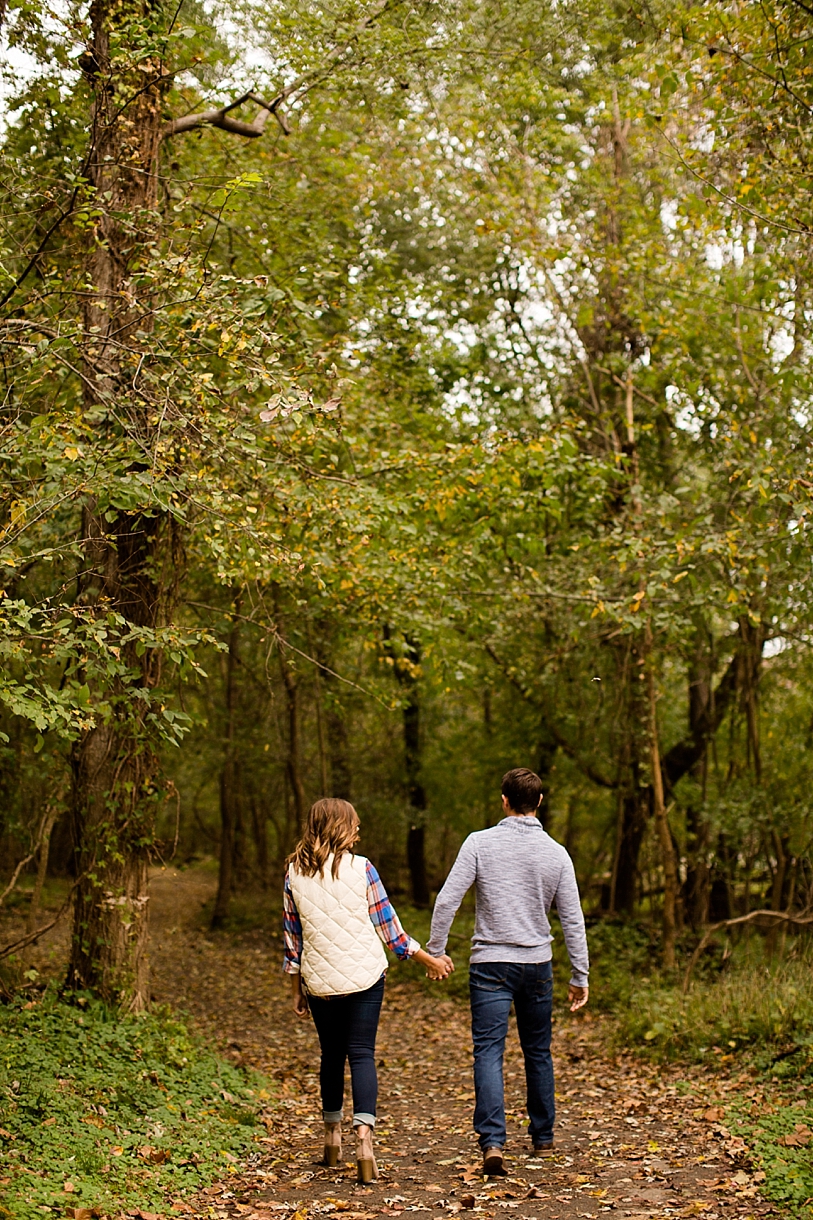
(577, 997)
(437, 968)
(299, 998)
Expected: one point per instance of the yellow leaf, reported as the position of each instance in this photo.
(732, 596)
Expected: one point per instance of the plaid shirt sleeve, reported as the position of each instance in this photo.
(385, 921)
(291, 931)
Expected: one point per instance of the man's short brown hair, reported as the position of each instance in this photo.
(522, 789)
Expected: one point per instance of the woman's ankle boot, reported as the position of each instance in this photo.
(365, 1158)
(333, 1144)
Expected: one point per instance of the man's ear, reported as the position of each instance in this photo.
(505, 804)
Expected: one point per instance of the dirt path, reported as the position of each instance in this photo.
(631, 1138)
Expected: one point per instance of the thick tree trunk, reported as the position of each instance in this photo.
(114, 766)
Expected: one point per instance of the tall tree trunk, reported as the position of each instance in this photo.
(696, 894)
(336, 745)
(228, 790)
(114, 765)
(293, 764)
(635, 795)
(259, 829)
(416, 836)
(49, 818)
(546, 754)
(668, 860)
(407, 672)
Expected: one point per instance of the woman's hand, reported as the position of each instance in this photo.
(437, 968)
(299, 998)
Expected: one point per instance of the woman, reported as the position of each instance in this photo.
(334, 904)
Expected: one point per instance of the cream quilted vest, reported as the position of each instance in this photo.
(341, 952)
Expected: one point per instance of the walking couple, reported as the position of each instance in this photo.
(337, 914)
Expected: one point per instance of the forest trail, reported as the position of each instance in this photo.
(632, 1138)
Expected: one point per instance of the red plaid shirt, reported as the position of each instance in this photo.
(385, 921)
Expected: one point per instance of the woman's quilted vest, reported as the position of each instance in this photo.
(341, 952)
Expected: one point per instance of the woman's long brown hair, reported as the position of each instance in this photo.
(332, 827)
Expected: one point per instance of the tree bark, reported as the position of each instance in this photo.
(114, 766)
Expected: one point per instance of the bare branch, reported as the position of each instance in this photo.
(30, 937)
(752, 917)
(221, 117)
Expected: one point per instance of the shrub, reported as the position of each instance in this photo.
(106, 1112)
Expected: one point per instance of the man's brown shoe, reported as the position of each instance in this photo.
(493, 1166)
(543, 1149)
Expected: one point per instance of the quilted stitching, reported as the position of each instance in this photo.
(341, 952)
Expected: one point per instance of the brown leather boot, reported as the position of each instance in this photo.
(365, 1157)
(493, 1165)
(333, 1144)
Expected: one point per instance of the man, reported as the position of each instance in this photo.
(518, 871)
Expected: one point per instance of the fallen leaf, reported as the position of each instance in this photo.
(714, 1114)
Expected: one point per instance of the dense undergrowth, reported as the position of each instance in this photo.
(103, 1112)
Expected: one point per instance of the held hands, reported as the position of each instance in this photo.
(437, 968)
(577, 997)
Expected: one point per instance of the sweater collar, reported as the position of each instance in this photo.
(523, 819)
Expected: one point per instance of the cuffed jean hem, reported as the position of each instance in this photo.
(332, 1116)
(363, 1120)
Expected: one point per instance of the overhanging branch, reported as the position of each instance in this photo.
(222, 117)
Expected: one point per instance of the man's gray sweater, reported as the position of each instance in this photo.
(518, 871)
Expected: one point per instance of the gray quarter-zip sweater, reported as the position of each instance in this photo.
(518, 872)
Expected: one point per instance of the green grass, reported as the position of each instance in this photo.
(758, 1005)
(109, 1112)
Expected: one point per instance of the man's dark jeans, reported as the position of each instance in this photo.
(347, 1026)
(494, 986)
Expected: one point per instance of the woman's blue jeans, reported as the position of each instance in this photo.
(494, 986)
(347, 1026)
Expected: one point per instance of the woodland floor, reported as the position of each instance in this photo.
(634, 1138)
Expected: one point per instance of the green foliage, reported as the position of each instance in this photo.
(780, 1140)
(758, 1005)
(125, 1110)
